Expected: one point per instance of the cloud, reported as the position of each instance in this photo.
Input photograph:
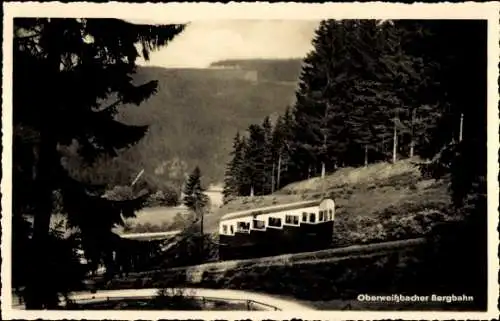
(203, 42)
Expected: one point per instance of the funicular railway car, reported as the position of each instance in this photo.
(279, 229)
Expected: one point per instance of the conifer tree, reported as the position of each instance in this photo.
(196, 200)
(254, 164)
(319, 113)
(278, 146)
(267, 157)
(233, 180)
(364, 120)
(89, 63)
(194, 197)
(281, 140)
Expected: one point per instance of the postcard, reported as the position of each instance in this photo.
(250, 161)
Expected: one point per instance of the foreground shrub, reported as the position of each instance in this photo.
(175, 299)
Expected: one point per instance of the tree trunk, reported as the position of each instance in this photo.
(395, 143)
(323, 169)
(366, 155)
(272, 178)
(202, 249)
(251, 191)
(38, 293)
(137, 177)
(309, 172)
(37, 282)
(279, 172)
(460, 133)
(412, 141)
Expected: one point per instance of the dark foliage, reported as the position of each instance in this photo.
(194, 197)
(64, 70)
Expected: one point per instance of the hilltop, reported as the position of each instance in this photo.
(196, 112)
(268, 69)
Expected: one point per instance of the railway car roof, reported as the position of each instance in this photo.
(151, 235)
(272, 209)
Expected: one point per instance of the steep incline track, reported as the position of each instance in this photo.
(323, 256)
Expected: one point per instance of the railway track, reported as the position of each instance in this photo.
(328, 255)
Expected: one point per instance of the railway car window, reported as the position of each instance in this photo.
(312, 217)
(304, 217)
(243, 226)
(224, 229)
(232, 229)
(331, 214)
(292, 219)
(274, 221)
(320, 216)
(258, 224)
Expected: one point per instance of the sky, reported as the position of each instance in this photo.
(204, 42)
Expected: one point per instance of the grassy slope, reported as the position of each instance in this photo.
(381, 202)
(362, 196)
(196, 113)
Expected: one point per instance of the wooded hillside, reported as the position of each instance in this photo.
(194, 116)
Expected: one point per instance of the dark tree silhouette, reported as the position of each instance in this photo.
(194, 197)
(196, 200)
(233, 182)
(70, 77)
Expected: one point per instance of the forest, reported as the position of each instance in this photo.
(371, 91)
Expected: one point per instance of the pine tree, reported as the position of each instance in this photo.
(194, 197)
(364, 120)
(320, 135)
(277, 147)
(267, 157)
(389, 90)
(89, 63)
(419, 108)
(254, 161)
(233, 180)
(281, 137)
(196, 200)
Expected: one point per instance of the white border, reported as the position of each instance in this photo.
(182, 12)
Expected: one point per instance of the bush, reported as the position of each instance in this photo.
(175, 299)
(322, 281)
(163, 198)
(409, 220)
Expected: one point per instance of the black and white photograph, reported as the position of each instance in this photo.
(318, 164)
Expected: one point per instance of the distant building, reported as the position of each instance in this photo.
(235, 72)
